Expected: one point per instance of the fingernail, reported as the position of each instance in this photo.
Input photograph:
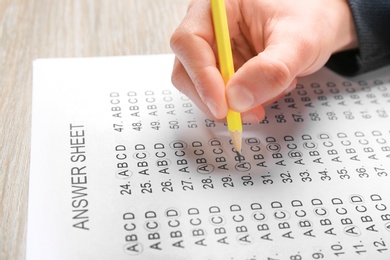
(213, 108)
(291, 87)
(251, 118)
(240, 98)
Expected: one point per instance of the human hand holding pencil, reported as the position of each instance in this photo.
(273, 43)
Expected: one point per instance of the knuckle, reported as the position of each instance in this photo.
(176, 39)
(177, 75)
(308, 45)
(278, 75)
(174, 78)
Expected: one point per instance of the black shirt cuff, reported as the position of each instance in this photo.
(372, 22)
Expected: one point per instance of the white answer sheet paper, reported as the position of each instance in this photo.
(123, 166)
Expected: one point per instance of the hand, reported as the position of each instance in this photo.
(273, 43)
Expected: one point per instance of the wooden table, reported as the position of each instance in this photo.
(31, 29)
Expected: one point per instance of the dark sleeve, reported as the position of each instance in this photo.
(372, 22)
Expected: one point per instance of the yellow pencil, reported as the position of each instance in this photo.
(221, 31)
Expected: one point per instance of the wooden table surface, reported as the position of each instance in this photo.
(31, 29)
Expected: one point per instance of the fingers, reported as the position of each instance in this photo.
(255, 115)
(268, 75)
(185, 85)
(192, 43)
(259, 80)
(287, 90)
(270, 51)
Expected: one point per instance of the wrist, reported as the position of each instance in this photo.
(346, 38)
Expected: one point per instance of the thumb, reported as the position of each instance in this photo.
(262, 78)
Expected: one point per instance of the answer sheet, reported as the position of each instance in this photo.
(123, 166)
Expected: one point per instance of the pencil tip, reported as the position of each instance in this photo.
(237, 141)
(239, 156)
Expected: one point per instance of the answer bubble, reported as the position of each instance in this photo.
(133, 249)
(123, 174)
